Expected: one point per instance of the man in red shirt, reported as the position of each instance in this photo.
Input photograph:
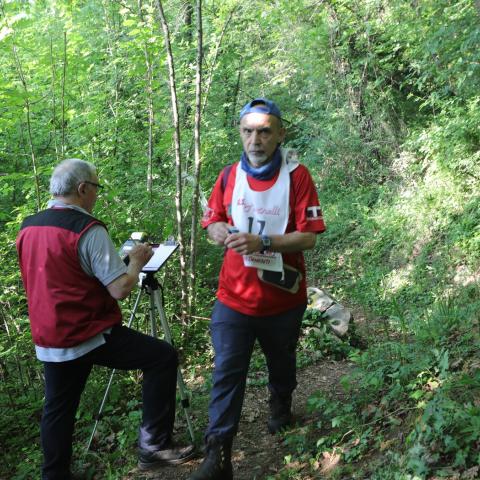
(264, 211)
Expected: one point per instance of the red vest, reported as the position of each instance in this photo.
(65, 305)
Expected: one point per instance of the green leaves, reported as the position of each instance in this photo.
(446, 433)
(381, 99)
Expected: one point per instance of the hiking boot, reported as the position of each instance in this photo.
(80, 476)
(174, 455)
(280, 413)
(217, 464)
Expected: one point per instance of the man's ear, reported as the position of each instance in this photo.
(282, 135)
(81, 189)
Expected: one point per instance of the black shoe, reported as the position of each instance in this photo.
(280, 413)
(217, 464)
(170, 456)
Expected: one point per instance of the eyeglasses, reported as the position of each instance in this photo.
(100, 187)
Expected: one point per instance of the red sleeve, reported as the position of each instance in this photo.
(308, 214)
(215, 211)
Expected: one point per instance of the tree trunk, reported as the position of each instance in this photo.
(230, 113)
(114, 103)
(29, 127)
(54, 106)
(198, 158)
(63, 90)
(178, 159)
(151, 121)
(150, 112)
(211, 69)
(208, 83)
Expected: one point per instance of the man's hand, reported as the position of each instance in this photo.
(243, 243)
(247, 243)
(218, 232)
(139, 255)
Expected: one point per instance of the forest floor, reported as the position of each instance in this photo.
(256, 454)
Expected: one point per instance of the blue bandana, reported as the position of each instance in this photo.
(265, 172)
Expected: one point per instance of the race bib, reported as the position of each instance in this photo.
(271, 261)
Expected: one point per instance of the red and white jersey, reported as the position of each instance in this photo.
(262, 213)
(239, 286)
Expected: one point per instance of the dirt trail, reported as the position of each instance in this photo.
(256, 453)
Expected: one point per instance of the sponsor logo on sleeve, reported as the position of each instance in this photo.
(314, 213)
(207, 214)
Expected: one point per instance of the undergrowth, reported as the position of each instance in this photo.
(407, 253)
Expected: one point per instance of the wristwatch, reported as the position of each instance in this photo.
(266, 243)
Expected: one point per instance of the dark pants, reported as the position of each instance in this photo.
(125, 349)
(233, 338)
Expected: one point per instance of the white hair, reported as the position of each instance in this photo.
(68, 174)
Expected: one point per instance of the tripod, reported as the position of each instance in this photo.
(151, 287)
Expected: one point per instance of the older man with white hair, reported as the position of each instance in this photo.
(73, 277)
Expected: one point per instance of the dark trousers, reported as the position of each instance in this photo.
(233, 337)
(125, 349)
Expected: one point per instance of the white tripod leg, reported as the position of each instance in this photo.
(156, 299)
